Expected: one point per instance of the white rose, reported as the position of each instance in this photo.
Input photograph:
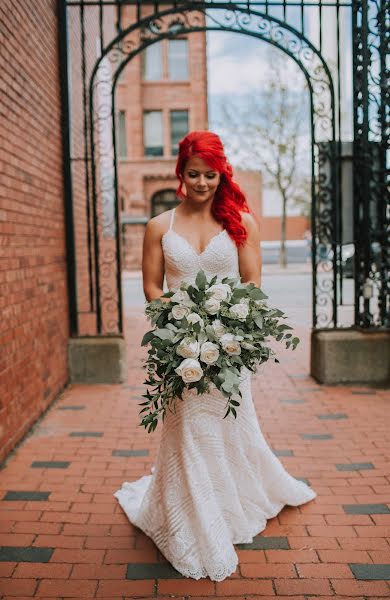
(239, 311)
(230, 344)
(189, 370)
(195, 318)
(179, 311)
(212, 306)
(218, 327)
(188, 348)
(220, 291)
(244, 301)
(209, 353)
(181, 297)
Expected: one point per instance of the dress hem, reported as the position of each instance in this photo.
(247, 540)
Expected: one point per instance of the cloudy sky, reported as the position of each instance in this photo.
(239, 71)
(238, 64)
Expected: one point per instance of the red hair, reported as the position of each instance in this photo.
(229, 201)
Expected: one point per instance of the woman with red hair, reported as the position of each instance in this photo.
(216, 481)
(213, 215)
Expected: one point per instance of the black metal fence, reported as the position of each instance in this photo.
(341, 48)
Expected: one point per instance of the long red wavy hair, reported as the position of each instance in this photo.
(229, 201)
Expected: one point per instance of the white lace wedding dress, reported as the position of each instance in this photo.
(216, 481)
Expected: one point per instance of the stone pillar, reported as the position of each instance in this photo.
(97, 359)
(350, 356)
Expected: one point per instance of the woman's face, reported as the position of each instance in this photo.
(200, 179)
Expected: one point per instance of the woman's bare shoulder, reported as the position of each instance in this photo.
(158, 225)
(250, 222)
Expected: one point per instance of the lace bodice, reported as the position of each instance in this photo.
(182, 261)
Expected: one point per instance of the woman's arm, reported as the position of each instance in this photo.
(153, 260)
(249, 254)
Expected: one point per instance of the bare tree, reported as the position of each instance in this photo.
(268, 131)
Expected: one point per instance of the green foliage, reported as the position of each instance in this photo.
(166, 386)
(201, 280)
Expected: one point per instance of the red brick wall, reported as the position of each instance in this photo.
(295, 228)
(33, 297)
(251, 184)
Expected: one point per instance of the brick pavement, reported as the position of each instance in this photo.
(63, 534)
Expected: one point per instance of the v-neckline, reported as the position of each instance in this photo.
(191, 246)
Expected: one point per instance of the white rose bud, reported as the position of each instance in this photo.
(248, 346)
(209, 353)
(212, 306)
(190, 370)
(219, 328)
(179, 311)
(220, 291)
(239, 311)
(261, 303)
(195, 318)
(230, 344)
(181, 297)
(188, 348)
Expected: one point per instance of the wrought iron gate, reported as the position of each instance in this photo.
(329, 40)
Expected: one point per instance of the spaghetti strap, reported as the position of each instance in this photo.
(172, 217)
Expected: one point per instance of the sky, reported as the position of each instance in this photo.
(238, 64)
(238, 70)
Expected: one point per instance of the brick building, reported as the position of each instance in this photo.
(161, 96)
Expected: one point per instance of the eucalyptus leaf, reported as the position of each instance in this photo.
(257, 294)
(238, 294)
(164, 334)
(210, 333)
(147, 338)
(259, 322)
(201, 280)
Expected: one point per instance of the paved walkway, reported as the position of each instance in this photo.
(63, 534)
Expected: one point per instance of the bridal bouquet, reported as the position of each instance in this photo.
(202, 337)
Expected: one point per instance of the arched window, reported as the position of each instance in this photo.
(163, 200)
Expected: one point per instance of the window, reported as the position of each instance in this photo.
(179, 128)
(178, 59)
(153, 133)
(163, 200)
(152, 62)
(122, 146)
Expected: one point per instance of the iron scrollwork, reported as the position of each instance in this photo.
(371, 144)
(371, 155)
(170, 23)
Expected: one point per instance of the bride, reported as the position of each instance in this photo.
(216, 481)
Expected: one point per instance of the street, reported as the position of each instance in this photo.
(296, 250)
(290, 290)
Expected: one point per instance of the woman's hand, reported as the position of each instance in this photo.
(250, 254)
